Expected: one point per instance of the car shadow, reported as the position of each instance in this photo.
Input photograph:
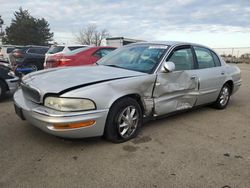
(167, 119)
(40, 136)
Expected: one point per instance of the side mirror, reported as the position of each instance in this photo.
(168, 66)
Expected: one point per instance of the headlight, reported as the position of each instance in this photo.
(69, 104)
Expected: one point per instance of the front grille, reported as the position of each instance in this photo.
(31, 93)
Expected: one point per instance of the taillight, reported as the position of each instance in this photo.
(56, 61)
(64, 61)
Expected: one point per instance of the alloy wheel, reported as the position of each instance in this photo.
(128, 121)
(224, 97)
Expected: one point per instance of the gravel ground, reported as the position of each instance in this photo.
(200, 148)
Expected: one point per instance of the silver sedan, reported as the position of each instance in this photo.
(142, 80)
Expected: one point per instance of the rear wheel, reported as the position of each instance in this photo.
(223, 97)
(124, 120)
(2, 89)
(33, 67)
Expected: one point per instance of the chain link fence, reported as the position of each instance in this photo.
(235, 54)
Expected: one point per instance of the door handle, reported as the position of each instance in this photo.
(222, 73)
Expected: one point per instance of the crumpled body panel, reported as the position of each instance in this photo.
(175, 91)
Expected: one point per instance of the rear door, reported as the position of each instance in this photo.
(177, 90)
(211, 75)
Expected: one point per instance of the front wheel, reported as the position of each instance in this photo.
(124, 120)
(223, 97)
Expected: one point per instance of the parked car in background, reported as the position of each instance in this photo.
(81, 56)
(61, 49)
(54, 49)
(141, 80)
(6, 63)
(28, 57)
(5, 50)
(8, 80)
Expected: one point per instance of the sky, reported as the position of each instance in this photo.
(215, 23)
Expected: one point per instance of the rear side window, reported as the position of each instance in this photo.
(216, 59)
(31, 50)
(55, 49)
(73, 52)
(42, 50)
(37, 50)
(204, 58)
(182, 58)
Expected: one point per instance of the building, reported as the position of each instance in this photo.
(120, 41)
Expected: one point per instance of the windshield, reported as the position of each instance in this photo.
(142, 58)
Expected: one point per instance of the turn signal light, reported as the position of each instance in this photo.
(74, 125)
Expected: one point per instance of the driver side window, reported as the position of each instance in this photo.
(182, 58)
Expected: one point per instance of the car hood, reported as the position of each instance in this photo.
(60, 80)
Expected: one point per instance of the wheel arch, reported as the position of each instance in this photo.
(134, 96)
(6, 85)
(231, 85)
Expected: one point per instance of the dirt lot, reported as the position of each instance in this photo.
(201, 148)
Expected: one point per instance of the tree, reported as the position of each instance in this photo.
(1, 27)
(25, 29)
(90, 35)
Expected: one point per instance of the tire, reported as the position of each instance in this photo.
(124, 120)
(33, 66)
(223, 98)
(2, 89)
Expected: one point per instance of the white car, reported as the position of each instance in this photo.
(5, 51)
(61, 49)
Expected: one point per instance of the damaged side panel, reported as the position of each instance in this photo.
(148, 104)
(141, 86)
(175, 91)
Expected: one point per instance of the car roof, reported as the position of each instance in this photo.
(30, 46)
(97, 48)
(69, 45)
(170, 43)
(103, 47)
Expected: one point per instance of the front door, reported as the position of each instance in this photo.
(177, 90)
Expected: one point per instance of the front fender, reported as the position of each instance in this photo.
(106, 93)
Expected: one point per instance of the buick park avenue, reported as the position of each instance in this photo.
(137, 81)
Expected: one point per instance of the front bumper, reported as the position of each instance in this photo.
(44, 118)
(12, 84)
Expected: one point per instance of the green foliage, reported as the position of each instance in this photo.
(25, 29)
(1, 26)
